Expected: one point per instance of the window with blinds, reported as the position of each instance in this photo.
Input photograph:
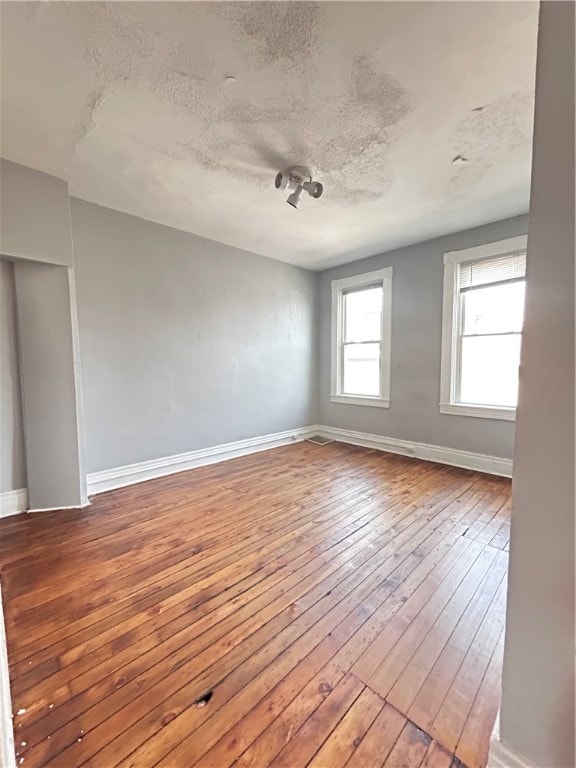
(490, 311)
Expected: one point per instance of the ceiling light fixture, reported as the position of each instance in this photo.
(299, 179)
(294, 198)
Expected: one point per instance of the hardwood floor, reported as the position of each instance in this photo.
(310, 605)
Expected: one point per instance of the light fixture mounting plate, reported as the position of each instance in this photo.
(299, 174)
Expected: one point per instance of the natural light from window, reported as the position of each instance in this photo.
(492, 318)
(362, 341)
(482, 321)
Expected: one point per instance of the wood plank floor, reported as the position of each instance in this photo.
(307, 606)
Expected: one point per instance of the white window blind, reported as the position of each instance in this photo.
(499, 269)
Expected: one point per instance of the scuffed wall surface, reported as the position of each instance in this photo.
(12, 455)
(186, 343)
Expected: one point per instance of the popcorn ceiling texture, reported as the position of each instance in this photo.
(284, 32)
(183, 112)
(506, 123)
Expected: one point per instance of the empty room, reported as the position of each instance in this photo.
(287, 395)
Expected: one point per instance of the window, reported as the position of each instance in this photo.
(361, 311)
(482, 329)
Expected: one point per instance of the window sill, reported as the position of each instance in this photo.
(479, 411)
(375, 402)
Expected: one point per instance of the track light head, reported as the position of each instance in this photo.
(294, 198)
(281, 181)
(314, 188)
(299, 179)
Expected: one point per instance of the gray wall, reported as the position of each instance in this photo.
(417, 287)
(34, 215)
(537, 717)
(12, 461)
(186, 343)
(36, 234)
(51, 389)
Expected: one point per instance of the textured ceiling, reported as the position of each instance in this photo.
(183, 112)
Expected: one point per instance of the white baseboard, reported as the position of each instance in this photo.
(504, 757)
(7, 752)
(13, 502)
(57, 509)
(109, 479)
(480, 462)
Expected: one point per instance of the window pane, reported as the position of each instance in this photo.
(363, 314)
(489, 370)
(494, 309)
(362, 369)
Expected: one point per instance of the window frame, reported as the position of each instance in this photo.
(381, 277)
(451, 319)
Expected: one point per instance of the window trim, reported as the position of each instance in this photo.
(450, 318)
(339, 287)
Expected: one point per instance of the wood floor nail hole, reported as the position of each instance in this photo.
(201, 701)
